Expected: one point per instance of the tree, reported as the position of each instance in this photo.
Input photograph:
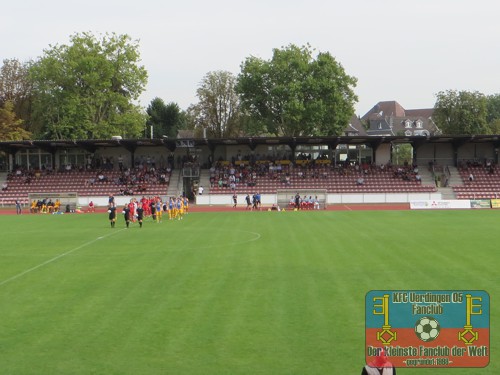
(87, 89)
(401, 153)
(493, 106)
(494, 126)
(217, 110)
(493, 116)
(461, 112)
(11, 127)
(294, 94)
(15, 87)
(165, 119)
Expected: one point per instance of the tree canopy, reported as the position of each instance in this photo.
(165, 119)
(11, 128)
(87, 89)
(16, 87)
(217, 110)
(295, 94)
(461, 112)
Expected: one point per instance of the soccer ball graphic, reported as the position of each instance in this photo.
(427, 328)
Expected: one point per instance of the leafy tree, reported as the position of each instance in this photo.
(294, 94)
(192, 115)
(217, 110)
(15, 87)
(11, 128)
(493, 116)
(493, 107)
(87, 89)
(461, 112)
(494, 126)
(402, 153)
(252, 126)
(165, 119)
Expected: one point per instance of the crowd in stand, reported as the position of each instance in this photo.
(487, 164)
(129, 180)
(132, 181)
(244, 172)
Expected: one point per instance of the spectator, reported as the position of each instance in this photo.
(120, 163)
(471, 177)
(316, 203)
(380, 365)
(101, 177)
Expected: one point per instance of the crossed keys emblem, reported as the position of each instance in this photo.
(385, 336)
(468, 335)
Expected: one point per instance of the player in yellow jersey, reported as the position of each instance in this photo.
(57, 205)
(180, 208)
(171, 209)
(186, 205)
(158, 206)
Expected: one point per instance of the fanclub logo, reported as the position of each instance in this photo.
(428, 328)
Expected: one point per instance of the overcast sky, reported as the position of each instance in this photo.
(397, 49)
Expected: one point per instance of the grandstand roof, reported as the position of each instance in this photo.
(252, 142)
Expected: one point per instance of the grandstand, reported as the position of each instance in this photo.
(334, 179)
(485, 183)
(83, 182)
(356, 168)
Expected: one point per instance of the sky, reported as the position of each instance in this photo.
(400, 50)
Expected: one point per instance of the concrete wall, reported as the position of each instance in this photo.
(103, 201)
(270, 199)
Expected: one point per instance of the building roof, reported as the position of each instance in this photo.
(394, 109)
(383, 109)
(389, 118)
(355, 127)
(424, 112)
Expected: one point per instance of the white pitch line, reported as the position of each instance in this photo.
(57, 257)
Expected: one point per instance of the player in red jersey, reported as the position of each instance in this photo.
(131, 207)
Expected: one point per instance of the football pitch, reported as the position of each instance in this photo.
(229, 292)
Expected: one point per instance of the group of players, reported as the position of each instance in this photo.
(154, 207)
(304, 203)
(45, 206)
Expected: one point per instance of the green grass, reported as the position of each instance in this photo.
(226, 293)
